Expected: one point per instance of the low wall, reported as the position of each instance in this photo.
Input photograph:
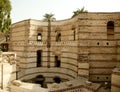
(26, 87)
(7, 69)
(115, 82)
(76, 85)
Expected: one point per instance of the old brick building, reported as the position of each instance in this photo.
(87, 45)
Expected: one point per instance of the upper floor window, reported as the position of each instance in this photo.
(58, 37)
(110, 30)
(39, 37)
(74, 35)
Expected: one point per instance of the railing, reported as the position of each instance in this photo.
(37, 43)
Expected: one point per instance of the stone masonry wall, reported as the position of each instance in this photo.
(83, 49)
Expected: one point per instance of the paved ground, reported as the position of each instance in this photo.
(3, 91)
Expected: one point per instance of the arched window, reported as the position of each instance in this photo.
(40, 79)
(39, 37)
(58, 37)
(110, 30)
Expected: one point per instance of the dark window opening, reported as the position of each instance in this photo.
(58, 37)
(39, 58)
(110, 30)
(40, 79)
(110, 25)
(57, 79)
(74, 33)
(57, 62)
(39, 37)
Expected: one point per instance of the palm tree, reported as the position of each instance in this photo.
(78, 11)
(48, 18)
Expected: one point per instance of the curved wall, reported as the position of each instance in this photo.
(82, 48)
(26, 45)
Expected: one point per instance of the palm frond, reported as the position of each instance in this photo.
(48, 16)
(78, 11)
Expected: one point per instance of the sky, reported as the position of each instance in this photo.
(62, 9)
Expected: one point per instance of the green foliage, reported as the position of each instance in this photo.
(78, 11)
(5, 20)
(48, 17)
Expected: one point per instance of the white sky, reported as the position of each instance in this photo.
(62, 9)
